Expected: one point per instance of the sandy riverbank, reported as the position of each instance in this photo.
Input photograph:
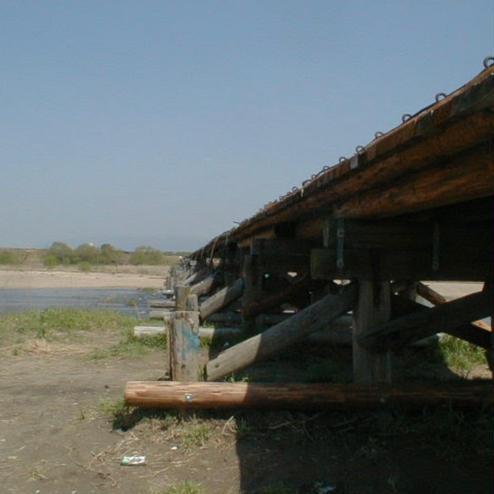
(10, 279)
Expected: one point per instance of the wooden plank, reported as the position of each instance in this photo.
(165, 304)
(221, 299)
(159, 314)
(425, 322)
(185, 347)
(195, 395)
(464, 252)
(313, 318)
(373, 308)
(143, 331)
(181, 293)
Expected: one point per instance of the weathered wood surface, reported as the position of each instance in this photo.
(143, 331)
(435, 298)
(313, 318)
(161, 303)
(185, 347)
(221, 299)
(204, 286)
(159, 314)
(426, 321)
(477, 333)
(371, 366)
(194, 395)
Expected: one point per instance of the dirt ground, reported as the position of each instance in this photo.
(56, 437)
(63, 430)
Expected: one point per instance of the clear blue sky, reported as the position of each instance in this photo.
(162, 122)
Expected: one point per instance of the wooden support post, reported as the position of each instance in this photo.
(252, 282)
(221, 299)
(184, 343)
(373, 308)
(313, 318)
(194, 395)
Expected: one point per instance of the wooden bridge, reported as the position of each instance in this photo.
(356, 239)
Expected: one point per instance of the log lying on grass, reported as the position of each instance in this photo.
(162, 303)
(197, 395)
(143, 331)
(314, 318)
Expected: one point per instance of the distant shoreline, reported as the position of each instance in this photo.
(15, 279)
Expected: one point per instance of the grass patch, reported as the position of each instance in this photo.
(59, 324)
(131, 346)
(460, 355)
(196, 434)
(186, 488)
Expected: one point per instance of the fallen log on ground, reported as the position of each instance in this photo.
(143, 331)
(221, 298)
(314, 318)
(197, 395)
(162, 303)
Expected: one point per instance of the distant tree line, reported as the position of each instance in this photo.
(89, 254)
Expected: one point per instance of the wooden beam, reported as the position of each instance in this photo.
(204, 286)
(425, 322)
(274, 300)
(373, 308)
(221, 299)
(165, 304)
(194, 395)
(313, 318)
(477, 333)
(143, 331)
(455, 251)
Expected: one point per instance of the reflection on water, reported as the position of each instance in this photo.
(126, 301)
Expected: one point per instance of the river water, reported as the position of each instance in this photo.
(126, 301)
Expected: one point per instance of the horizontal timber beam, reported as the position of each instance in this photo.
(202, 395)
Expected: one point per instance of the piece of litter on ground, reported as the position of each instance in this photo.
(324, 489)
(174, 448)
(11, 457)
(133, 460)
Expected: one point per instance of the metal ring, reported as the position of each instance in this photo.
(305, 182)
(313, 176)
(294, 189)
(487, 60)
(378, 134)
(359, 149)
(342, 159)
(440, 96)
(325, 167)
(406, 117)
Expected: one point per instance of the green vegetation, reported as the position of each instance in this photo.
(147, 255)
(67, 326)
(459, 354)
(9, 257)
(130, 346)
(186, 488)
(60, 324)
(196, 434)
